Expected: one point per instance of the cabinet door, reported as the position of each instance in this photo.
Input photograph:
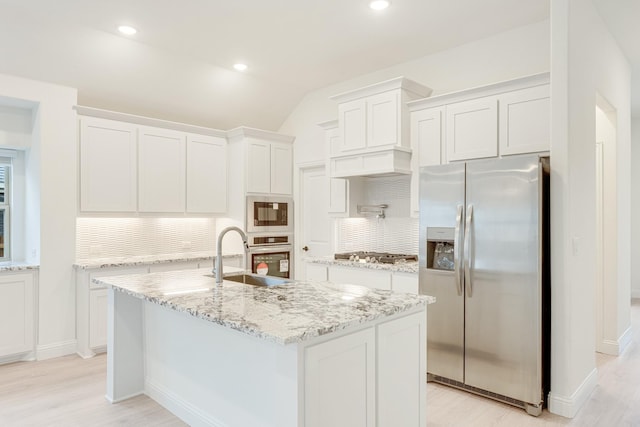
(405, 282)
(383, 119)
(338, 194)
(472, 129)
(281, 168)
(316, 272)
(352, 122)
(402, 361)
(258, 167)
(340, 380)
(206, 174)
(107, 166)
(375, 279)
(426, 143)
(97, 318)
(161, 171)
(16, 314)
(525, 121)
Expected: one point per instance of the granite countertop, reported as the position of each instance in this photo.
(404, 267)
(283, 314)
(18, 266)
(85, 264)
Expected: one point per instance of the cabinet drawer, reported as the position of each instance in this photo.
(375, 279)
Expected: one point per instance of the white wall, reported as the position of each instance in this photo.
(635, 207)
(51, 185)
(512, 54)
(586, 61)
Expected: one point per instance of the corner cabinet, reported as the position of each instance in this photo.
(128, 168)
(17, 315)
(373, 129)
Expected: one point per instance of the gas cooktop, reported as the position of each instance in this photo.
(373, 257)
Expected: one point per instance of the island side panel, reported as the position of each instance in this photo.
(402, 371)
(125, 362)
(208, 374)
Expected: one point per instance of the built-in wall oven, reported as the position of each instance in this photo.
(268, 214)
(270, 255)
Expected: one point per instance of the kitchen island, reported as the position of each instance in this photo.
(297, 354)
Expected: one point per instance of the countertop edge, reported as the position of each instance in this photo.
(408, 267)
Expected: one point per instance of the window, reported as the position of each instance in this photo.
(5, 207)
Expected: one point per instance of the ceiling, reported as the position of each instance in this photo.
(179, 65)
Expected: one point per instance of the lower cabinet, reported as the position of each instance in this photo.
(97, 318)
(315, 272)
(405, 282)
(362, 377)
(17, 311)
(376, 279)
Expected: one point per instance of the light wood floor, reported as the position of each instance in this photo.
(69, 391)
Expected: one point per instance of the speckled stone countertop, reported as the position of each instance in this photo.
(17, 266)
(283, 314)
(86, 264)
(404, 267)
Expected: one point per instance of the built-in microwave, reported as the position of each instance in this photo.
(267, 214)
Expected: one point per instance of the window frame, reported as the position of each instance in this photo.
(5, 205)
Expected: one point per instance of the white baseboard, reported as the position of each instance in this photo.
(624, 340)
(22, 357)
(568, 406)
(179, 407)
(58, 349)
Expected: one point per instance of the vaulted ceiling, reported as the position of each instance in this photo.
(179, 66)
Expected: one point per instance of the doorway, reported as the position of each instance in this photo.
(606, 286)
(315, 236)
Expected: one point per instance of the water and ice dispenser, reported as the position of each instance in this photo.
(440, 248)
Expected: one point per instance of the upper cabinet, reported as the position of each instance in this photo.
(129, 167)
(266, 159)
(206, 174)
(373, 129)
(108, 166)
(511, 117)
(161, 170)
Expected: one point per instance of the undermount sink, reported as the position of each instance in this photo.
(256, 280)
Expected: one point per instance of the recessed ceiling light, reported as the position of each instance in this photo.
(379, 4)
(127, 30)
(240, 67)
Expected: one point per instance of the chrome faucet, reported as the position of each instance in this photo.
(217, 264)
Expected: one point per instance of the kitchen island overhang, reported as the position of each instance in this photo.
(297, 354)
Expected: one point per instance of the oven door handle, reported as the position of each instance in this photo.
(274, 248)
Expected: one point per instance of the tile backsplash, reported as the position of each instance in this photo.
(114, 237)
(397, 233)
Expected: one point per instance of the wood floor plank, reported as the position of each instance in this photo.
(69, 391)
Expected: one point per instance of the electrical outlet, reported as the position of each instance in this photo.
(186, 245)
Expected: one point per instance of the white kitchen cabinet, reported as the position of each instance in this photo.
(525, 121)
(108, 166)
(426, 143)
(353, 125)
(269, 167)
(340, 375)
(206, 174)
(370, 278)
(401, 358)
(161, 170)
(315, 272)
(472, 129)
(373, 124)
(281, 168)
(405, 282)
(338, 187)
(91, 308)
(17, 333)
(97, 318)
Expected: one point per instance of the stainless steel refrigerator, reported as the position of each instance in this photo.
(484, 255)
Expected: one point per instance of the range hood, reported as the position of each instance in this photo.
(385, 161)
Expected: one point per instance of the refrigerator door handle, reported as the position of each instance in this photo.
(467, 250)
(457, 256)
